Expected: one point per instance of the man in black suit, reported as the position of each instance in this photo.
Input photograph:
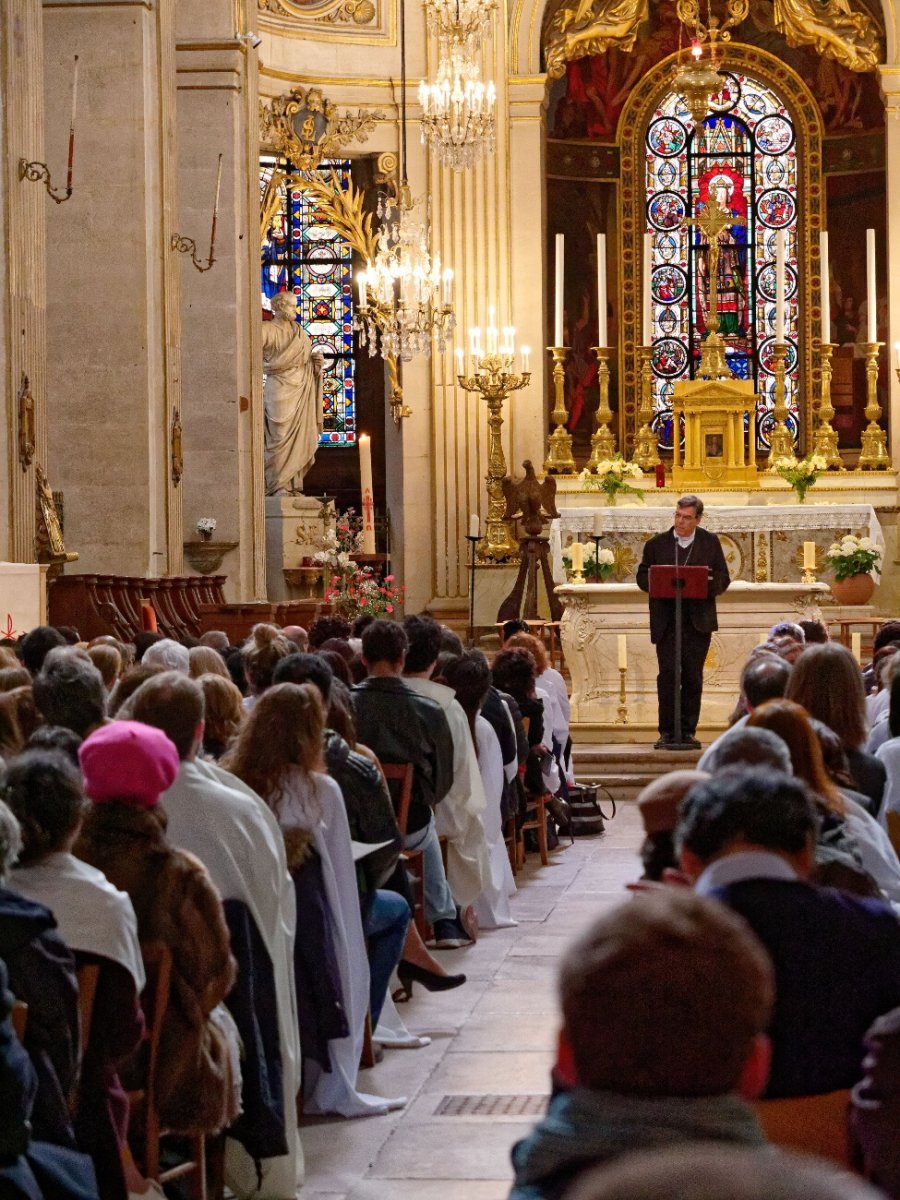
(684, 545)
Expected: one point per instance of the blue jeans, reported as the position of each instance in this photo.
(385, 926)
(439, 902)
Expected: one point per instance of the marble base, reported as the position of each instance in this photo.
(294, 529)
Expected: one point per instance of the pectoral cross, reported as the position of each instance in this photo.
(712, 221)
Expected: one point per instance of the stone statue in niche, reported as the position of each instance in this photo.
(292, 397)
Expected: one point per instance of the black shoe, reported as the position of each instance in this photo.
(450, 935)
(663, 742)
(690, 740)
(409, 973)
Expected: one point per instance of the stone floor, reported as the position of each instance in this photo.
(493, 1037)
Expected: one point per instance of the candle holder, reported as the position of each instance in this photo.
(826, 441)
(603, 442)
(781, 444)
(559, 459)
(39, 172)
(808, 576)
(596, 539)
(874, 455)
(494, 379)
(646, 455)
(186, 245)
(473, 540)
(622, 718)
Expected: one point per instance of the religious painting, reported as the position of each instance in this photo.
(302, 252)
(742, 160)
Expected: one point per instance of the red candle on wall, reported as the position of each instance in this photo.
(660, 475)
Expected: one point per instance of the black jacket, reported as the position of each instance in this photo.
(706, 551)
(370, 813)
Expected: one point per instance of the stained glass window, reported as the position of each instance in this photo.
(744, 159)
(301, 251)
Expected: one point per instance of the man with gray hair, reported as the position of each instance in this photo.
(69, 691)
(750, 747)
(169, 654)
(764, 677)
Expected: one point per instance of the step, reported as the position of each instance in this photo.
(625, 770)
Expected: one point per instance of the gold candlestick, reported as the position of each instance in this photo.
(781, 444)
(826, 441)
(603, 443)
(874, 455)
(646, 456)
(494, 379)
(559, 459)
(622, 718)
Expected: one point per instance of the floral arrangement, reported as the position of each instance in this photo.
(596, 566)
(364, 593)
(206, 526)
(853, 555)
(611, 476)
(339, 542)
(800, 473)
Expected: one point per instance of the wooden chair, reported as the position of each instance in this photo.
(893, 828)
(402, 773)
(19, 1018)
(536, 819)
(88, 976)
(144, 1121)
(812, 1124)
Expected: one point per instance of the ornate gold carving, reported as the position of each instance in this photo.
(306, 128)
(176, 448)
(356, 12)
(387, 166)
(334, 12)
(832, 29)
(624, 562)
(26, 424)
(762, 557)
(689, 15)
(49, 546)
(592, 27)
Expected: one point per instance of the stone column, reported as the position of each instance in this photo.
(220, 312)
(113, 285)
(23, 210)
(890, 86)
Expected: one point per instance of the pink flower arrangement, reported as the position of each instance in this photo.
(364, 593)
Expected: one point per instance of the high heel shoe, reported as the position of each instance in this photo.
(409, 973)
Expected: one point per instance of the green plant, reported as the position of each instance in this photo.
(800, 473)
(853, 555)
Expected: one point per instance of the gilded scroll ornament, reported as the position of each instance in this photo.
(833, 29)
(26, 424)
(333, 12)
(592, 27)
(306, 128)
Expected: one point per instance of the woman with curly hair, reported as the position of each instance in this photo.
(278, 753)
(261, 653)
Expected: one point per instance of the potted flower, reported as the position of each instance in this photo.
(800, 473)
(611, 476)
(206, 527)
(597, 568)
(364, 593)
(853, 559)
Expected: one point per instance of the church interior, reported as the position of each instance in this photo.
(501, 280)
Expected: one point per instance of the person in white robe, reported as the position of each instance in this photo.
(492, 906)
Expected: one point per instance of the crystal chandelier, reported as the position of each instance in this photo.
(460, 22)
(458, 112)
(405, 299)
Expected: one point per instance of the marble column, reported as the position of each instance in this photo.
(220, 308)
(24, 208)
(114, 335)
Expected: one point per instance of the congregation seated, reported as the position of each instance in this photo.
(747, 838)
(108, 662)
(37, 644)
(665, 1001)
(169, 654)
(515, 672)
(261, 653)
(69, 691)
(223, 714)
(658, 807)
(764, 677)
(129, 682)
(551, 688)
(203, 660)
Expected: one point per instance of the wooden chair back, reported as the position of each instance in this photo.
(402, 772)
(893, 828)
(412, 859)
(88, 976)
(812, 1124)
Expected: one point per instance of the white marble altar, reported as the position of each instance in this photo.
(595, 614)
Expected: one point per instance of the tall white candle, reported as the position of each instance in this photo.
(647, 324)
(826, 287)
(779, 286)
(577, 552)
(368, 496)
(361, 282)
(809, 556)
(526, 359)
(856, 644)
(558, 296)
(602, 334)
(871, 297)
(460, 361)
(474, 526)
(74, 93)
(622, 641)
(598, 525)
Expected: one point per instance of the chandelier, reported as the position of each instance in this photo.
(460, 22)
(458, 112)
(700, 80)
(404, 298)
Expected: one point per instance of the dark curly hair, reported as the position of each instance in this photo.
(515, 671)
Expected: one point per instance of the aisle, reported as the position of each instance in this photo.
(492, 1048)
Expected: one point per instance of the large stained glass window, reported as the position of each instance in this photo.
(744, 160)
(301, 251)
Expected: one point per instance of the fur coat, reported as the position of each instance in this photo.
(175, 903)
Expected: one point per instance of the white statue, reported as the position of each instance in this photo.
(292, 396)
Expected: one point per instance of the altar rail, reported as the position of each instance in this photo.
(185, 606)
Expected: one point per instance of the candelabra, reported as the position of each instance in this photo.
(559, 459)
(494, 379)
(874, 455)
(472, 539)
(781, 444)
(645, 454)
(623, 701)
(603, 442)
(826, 442)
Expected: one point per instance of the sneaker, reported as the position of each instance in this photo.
(449, 935)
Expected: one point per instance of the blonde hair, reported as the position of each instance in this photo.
(527, 641)
(206, 661)
(108, 662)
(263, 650)
(223, 709)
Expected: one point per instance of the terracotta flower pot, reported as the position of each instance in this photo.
(857, 589)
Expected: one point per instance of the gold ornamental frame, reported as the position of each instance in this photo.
(637, 113)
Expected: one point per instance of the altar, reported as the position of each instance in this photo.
(596, 614)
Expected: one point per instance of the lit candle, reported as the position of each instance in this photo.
(558, 293)
(622, 641)
(601, 290)
(647, 324)
(871, 298)
(779, 287)
(809, 556)
(856, 646)
(460, 361)
(577, 551)
(526, 359)
(368, 499)
(474, 526)
(897, 354)
(598, 525)
(72, 125)
(826, 287)
(361, 284)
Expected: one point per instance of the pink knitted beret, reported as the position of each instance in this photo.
(129, 763)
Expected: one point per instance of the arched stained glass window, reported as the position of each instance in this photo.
(744, 159)
(301, 251)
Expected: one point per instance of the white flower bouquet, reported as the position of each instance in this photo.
(800, 473)
(611, 476)
(853, 555)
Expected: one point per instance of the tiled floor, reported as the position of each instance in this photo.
(493, 1036)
